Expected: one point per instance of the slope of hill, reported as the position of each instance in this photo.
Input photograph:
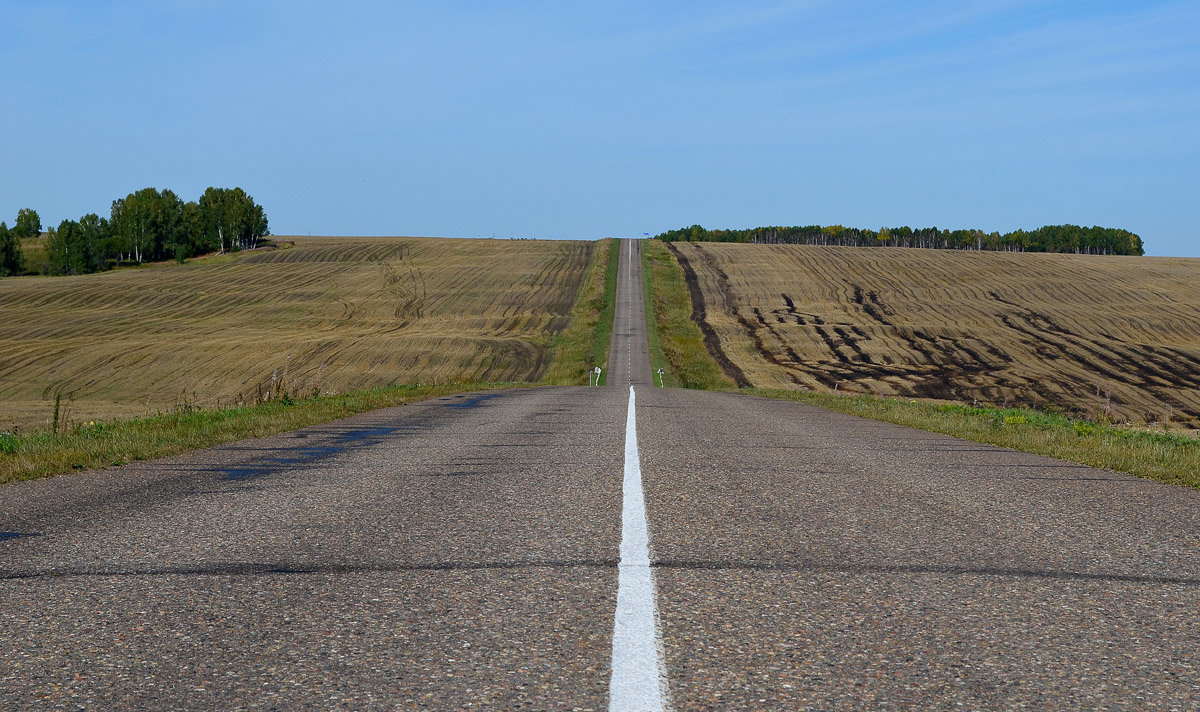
(324, 313)
(1113, 338)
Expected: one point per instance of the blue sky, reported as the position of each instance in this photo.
(583, 120)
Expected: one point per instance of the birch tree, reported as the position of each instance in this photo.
(231, 219)
(28, 223)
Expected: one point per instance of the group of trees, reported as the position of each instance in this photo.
(146, 226)
(150, 225)
(12, 259)
(1051, 238)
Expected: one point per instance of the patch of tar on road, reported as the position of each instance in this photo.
(367, 434)
(343, 441)
(471, 402)
(16, 535)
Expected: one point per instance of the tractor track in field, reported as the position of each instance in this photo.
(699, 315)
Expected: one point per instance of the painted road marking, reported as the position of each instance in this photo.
(638, 683)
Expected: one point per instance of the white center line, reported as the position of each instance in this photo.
(638, 683)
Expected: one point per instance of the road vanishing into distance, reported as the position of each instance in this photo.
(489, 551)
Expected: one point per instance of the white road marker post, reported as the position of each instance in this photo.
(638, 683)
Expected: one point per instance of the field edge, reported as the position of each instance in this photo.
(99, 445)
(1149, 454)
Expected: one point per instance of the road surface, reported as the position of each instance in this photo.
(466, 553)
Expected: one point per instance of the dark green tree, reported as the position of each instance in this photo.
(12, 260)
(63, 248)
(78, 247)
(94, 232)
(190, 237)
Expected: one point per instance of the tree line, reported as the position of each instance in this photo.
(148, 225)
(1049, 238)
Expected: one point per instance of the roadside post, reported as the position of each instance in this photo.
(660, 378)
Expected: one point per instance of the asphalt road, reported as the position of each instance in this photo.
(463, 553)
(820, 561)
(629, 356)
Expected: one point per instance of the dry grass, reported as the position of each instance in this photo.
(328, 314)
(1105, 338)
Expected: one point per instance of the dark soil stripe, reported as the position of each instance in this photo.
(700, 315)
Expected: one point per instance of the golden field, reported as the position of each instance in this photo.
(327, 313)
(1107, 338)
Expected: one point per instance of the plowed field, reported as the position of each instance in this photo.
(1105, 337)
(335, 313)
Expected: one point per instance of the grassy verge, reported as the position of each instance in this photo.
(1154, 455)
(676, 344)
(583, 345)
(101, 444)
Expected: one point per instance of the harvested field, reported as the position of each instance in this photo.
(326, 312)
(1109, 338)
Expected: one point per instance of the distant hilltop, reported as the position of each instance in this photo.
(1049, 238)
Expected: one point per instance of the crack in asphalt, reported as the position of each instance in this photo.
(922, 569)
(471, 402)
(261, 569)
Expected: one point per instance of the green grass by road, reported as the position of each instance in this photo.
(1153, 454)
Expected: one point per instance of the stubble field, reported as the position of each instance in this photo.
(1107, 338)
(321, 313)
